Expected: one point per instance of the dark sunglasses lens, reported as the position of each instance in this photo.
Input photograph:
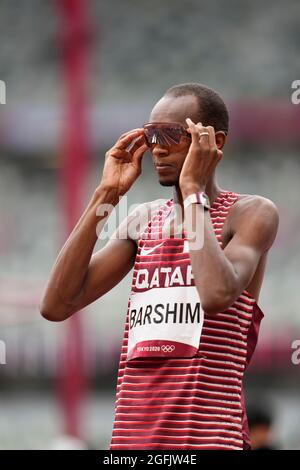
(173, 135)
(164, 136)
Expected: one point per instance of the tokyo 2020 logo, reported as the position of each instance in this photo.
(168, 348)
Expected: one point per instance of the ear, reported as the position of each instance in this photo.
(220, 139)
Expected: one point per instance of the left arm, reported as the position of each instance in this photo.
(222, 275)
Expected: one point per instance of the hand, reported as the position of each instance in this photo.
(201, 160)
(123, 161)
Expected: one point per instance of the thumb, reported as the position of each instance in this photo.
(139, 153)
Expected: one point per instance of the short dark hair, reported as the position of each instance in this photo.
(212, 111)
(257, 416)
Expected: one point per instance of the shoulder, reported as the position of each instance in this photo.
(248, 204)
(257, 215)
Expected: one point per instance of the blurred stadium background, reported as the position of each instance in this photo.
(127, 53)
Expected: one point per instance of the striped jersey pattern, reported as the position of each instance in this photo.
(186, 403)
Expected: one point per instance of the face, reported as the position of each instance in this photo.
(168, 159)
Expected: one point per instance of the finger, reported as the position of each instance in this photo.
(127, 154)
(203, 133)
(139, 129)
(203, 137)
(212, 136)
(121, 154)
(207, 136)
(139, 153)
(202, 129)
(124, 141)
(193, 130)
(129, 136)
(136, 143)
(213, 143)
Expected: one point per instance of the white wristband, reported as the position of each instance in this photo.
(197, 198)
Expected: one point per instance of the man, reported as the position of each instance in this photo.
(260, 421)
(192, 319)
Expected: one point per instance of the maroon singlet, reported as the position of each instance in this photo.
(190, 402)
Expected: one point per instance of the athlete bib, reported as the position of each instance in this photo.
(165, 322)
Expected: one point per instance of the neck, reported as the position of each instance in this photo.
(212, 190)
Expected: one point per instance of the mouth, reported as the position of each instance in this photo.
(163, 166)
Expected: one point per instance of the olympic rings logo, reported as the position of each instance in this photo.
(168, 348)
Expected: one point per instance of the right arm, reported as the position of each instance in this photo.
(78, 278)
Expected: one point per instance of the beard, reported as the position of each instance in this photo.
(168, 182)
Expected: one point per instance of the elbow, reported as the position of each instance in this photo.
(55, 309)
(52, 314)
(212, 308)
(216, 303)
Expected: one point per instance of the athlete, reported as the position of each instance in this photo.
(193, 319)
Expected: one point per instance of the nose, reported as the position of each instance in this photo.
(159, 150)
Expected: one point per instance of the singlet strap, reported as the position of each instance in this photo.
(222, 204)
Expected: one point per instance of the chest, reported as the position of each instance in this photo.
(172, 226)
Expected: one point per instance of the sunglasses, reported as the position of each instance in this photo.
(164, 133)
